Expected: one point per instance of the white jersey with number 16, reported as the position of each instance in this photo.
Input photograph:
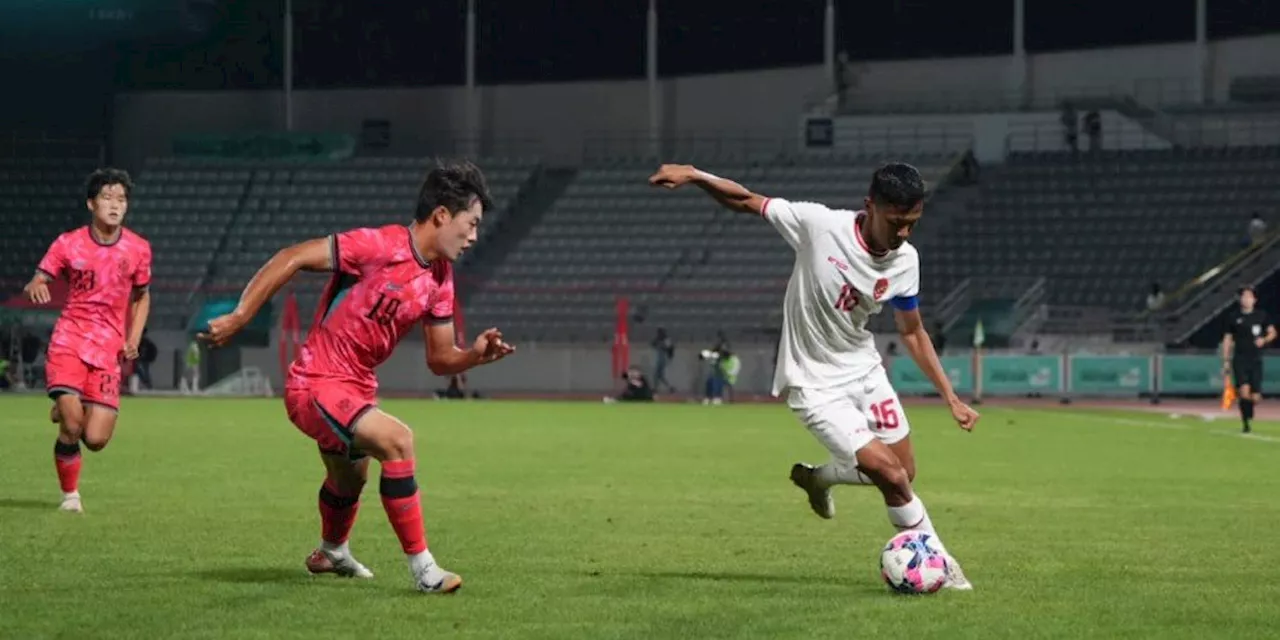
(836, 284)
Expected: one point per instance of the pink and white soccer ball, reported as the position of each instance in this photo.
(912, 563)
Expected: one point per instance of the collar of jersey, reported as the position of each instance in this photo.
(422, 262)
(862, 243)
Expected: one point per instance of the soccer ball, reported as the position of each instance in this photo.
(911, 562)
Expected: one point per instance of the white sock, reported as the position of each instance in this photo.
(335, 549)
(73, 494)
(829, 475)
(913, 515)
(420, 562)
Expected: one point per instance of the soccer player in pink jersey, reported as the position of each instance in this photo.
(109, 269)
(385, 282)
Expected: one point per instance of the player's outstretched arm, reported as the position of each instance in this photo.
(312, 255)
(139, 312)
(444, 358)
(916, 339)
(727, 192)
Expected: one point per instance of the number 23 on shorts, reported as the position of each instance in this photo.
(885, 414)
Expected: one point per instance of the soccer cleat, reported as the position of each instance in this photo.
(321, 561)
(71, 503)
(433, 579)
(803, 476)
(955, 577)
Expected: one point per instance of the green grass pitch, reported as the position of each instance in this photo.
(595, 521)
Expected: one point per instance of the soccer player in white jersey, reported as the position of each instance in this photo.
(847, 265)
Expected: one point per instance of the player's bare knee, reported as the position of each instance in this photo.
(400, 445)
(395, 442)
(95, 442)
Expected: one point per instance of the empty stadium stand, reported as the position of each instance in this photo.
(682, 262)
(40, 197)
(212, 224)
(1101, 227)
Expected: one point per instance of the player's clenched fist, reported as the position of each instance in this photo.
(490, 347)
(222, 329)
(964, 415)
(672, 176)
(37, 291)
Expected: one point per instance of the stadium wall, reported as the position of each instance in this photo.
(557, 120)
(552, 369)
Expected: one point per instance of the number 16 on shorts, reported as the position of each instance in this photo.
(884, 415)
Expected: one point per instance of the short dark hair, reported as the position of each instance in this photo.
(452, 185)
(897, 184)
(105, 177)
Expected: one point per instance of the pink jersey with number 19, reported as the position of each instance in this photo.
(381, 288)
(103, 279)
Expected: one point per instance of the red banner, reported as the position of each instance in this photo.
(621, 341)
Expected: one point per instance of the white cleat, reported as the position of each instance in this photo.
(71, 503)
(955, 577)
(820, 500)
(433, 579)
(345, 565)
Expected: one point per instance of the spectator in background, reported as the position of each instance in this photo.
(190, 382)
(1093, 128)
(30, 348)
(664, 349)
(636, 387)
(1257, 228)
(1155, 299)
(723, 374)
(147, 353)
(722, 342)
(1071, 127)
(939, 335)
(457, 389)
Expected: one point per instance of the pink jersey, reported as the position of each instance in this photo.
(103, 279)
(381, 288)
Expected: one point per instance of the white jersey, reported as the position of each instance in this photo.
(835, 286)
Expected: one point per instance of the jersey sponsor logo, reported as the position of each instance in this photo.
(882, 286)
(839, 265)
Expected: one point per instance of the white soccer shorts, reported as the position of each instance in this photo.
(846, 419)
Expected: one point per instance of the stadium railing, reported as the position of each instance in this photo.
(23, 144)
(1188, 131)
(1201, 299)
(1154, 92)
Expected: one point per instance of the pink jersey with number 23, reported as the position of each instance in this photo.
(380, 290)
(103, 279)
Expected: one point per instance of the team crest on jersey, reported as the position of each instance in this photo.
(882, 287)
(123, 268)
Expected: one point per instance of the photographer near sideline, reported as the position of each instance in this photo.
(725, 367)
(636, 389)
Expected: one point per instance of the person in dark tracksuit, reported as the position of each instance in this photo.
(1248, 332)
